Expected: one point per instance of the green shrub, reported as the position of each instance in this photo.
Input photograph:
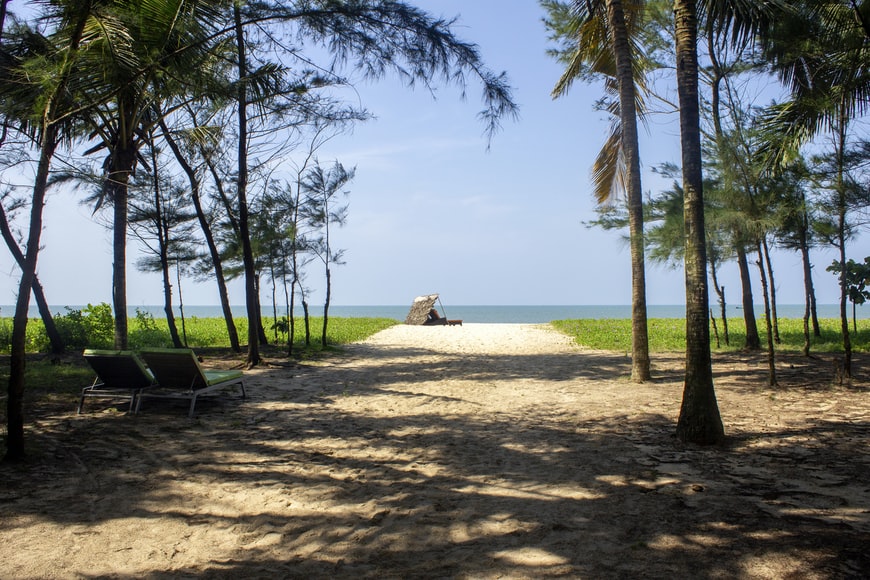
(5, 334)
(144, 331)
(92, 327)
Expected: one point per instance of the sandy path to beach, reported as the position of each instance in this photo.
(476, 451)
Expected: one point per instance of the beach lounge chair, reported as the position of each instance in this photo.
(120, 375)
(180, 376)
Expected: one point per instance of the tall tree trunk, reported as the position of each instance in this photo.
(806, 323)
(699, 420)
(122, 162)
(291, 314)
(167, 295)
(163, 236)
(772, 290)
(48, 143)
(720, 294)
(326, 306)
(54, 338)
(306, 318)
(288, 308)
(640, 367)
(771, 357)
(272, 276)
(180, 302)
(261, 329)
(809, 291)
(753, 341)
(841, 239)
(18, 359)
(216, 261)
(252, 302)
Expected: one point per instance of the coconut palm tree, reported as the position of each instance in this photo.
(602, 37)
(166, 41)
(35, 93)
(699, 420)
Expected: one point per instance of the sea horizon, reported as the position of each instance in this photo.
(522, 314)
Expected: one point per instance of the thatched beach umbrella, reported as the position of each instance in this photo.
(420, 309)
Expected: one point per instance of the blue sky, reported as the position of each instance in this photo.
(431, 210)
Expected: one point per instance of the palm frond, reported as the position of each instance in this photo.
(608, 170)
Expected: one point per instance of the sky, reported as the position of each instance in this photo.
(435, 208)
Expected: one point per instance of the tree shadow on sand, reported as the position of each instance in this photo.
(314, 476)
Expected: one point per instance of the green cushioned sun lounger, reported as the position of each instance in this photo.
(180, 376)
(120, 375)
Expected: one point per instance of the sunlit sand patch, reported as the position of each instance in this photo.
(495, 525)
(529, 556)
(857, 517)
(780, 565)
(540, 493)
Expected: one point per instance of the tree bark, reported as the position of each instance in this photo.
(216, 261)
(49, 131)
(753, 342)
(18, 359)
(54, 338)
(841, 239)
(640, 367)
(251, 299)
(720, 293)
(167, 290)
(699, 420)
(163, 247)
(122, 161)
(810, 311)
(771, 356)
(772, 290)
(326, 306)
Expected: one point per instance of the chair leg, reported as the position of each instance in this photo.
(192, 406)
(133, 398)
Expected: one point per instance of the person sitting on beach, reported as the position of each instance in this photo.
(432, 316)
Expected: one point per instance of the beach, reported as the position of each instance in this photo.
(473, 451)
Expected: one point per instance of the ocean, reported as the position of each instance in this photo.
(481, 314)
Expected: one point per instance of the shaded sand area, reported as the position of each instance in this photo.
(480, 451)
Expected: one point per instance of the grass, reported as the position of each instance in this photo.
(669, 335)
(212, 332)
(48, 376)
(146, 331)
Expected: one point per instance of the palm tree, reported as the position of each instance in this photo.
(628, 119)
(166, 41)
(45, 114)
(699, 420)
(600, 33)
